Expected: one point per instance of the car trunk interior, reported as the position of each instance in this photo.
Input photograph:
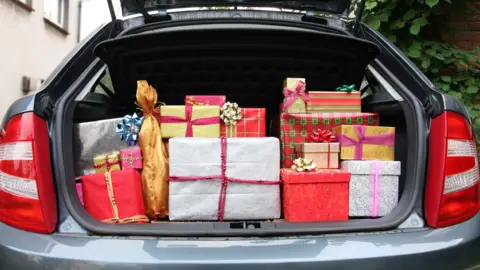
(248, 65)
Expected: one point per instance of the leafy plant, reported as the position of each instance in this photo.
(418, 28)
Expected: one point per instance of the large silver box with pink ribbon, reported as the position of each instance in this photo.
(373, 187)
(224, 179)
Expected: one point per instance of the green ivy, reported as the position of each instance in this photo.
(418, 28)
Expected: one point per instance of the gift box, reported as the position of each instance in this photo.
(131, 159)
(325, 155)
(320, 195)
(330, 101)
(94, 138)
(204, 100)
(373, 186)
(295, 128)
(224, 179)
(114, 197)
(252, 124)
(190, 121)
(366, 142)
(295, 95)
(107, 162)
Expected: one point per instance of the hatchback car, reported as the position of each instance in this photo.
(242, 49)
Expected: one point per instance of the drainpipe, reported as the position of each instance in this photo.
(79, 21)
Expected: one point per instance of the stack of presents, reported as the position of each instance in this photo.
(211, 160)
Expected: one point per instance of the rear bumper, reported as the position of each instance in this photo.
(457, 247)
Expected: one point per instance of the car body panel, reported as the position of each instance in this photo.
(448, 248)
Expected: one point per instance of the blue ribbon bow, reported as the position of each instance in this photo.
(129, 128)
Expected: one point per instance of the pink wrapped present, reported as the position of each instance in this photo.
(79, 187)
(205, 100)
(131, 158)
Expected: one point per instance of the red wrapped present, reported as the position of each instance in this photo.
(205, 100)
(320, 195)
(252, 124)
(295, 128)
(114, 197)
(131, 158)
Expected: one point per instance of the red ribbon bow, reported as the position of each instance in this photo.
(322, 136)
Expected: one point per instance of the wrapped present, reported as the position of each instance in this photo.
(366, 142)
(190, 121)
(217, 179)
(321, 148)
(107, 162)
(320, 195)
(373, 187)
(205, 100)
(91, 139)
(114, 197)
(78, 186)
(131, 159)
(345, 99)
(295, 95)
(154, 153)
(251, 124)
(295, 128)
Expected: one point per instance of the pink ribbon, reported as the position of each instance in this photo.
(189, 121)
(225, 179)
(291, 95)
(383, 139)
(375, 179)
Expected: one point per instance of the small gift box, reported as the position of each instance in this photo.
(319, 195)
(366, 142)
(295, 128)
(114, 197)
(295, 95)
(373, 187)
(249, 122)
(131, 158)
(204, 100)
(345, 99)
(107, 162)
(321, 148)
(190, 121)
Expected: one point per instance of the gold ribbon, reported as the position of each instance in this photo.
(113, 204)
(231, 131)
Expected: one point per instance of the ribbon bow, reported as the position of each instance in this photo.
(322, 136)
(347, 88)
(230, 113)
(304, 165)
(129, 128)
(292, 94)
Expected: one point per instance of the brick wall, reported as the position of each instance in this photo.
(467, 28)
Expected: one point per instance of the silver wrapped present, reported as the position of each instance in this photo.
(94, 138)
(373, 187)
(252, 179)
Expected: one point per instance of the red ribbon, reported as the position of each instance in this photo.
(107, 163)
(323, 136)
(225, 179)
(189, 121)
(292, 94)
(382, 139)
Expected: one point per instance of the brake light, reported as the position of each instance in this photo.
(27, 196)
(452, 192)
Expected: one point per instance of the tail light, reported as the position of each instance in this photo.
(27, 197)
(453, 191)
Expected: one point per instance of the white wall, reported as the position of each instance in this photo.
(29, 46)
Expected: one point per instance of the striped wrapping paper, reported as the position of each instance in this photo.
(330, 101)
(295, 128)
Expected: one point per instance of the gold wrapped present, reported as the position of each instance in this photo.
(107, 162)
(366, 142)
(190, 121)
(325, 155)
(295, 95)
